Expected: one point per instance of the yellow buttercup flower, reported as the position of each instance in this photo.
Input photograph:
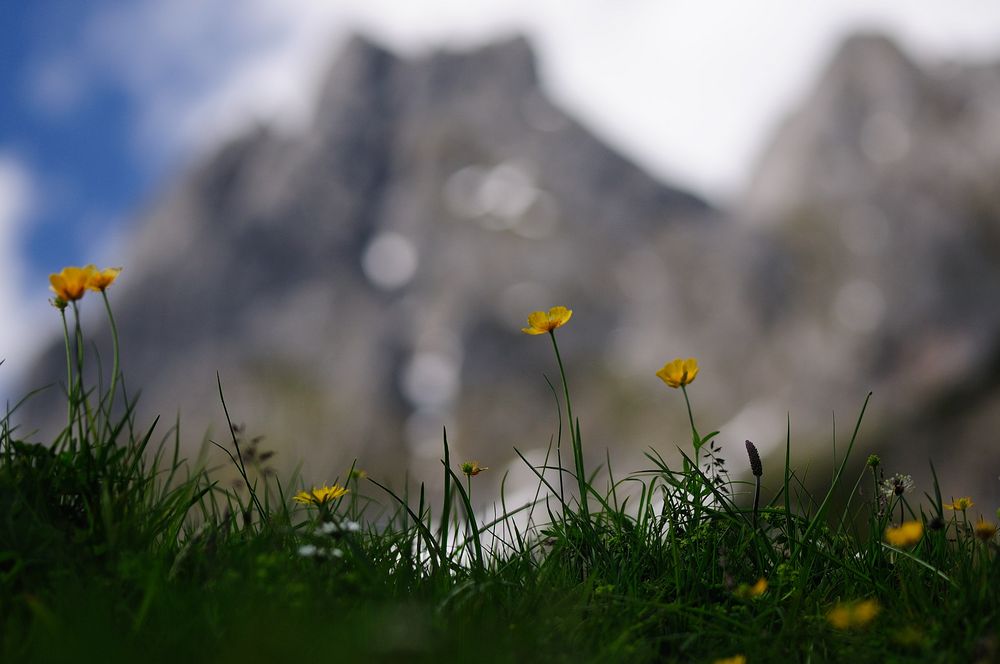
(320, 496)
(852, 615)
(679, 372)
(865, 612)
(745, 591)
(961, 504)
(540, 322)
(735, 659)
(101, 279)
(909, 636)
(906, 535)
(984, 529)
(71, 283)
(472, 468)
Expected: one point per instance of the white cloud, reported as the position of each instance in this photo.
(690, 88)
(18, 336)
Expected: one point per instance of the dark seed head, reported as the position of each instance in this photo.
(756, 467)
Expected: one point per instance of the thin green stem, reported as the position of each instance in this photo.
(756, 500)
(574, 429)
(875, 489)
(559, 437)
(695, 485)
(694, 431)
(69, 374)
(114, 340)
(562, 374)
(80, 394)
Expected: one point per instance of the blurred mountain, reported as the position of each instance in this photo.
(362, 284)
(881, 193)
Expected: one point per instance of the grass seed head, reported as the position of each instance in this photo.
(756, 467)
(897, 485)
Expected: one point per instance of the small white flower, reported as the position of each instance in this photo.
(307, 550)
(331, 527)
(897, 485)
(337, 553)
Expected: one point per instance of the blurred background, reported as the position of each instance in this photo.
(348, 208)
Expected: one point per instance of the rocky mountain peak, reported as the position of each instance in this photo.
(363, 284)
(365, 74)
(858, 121)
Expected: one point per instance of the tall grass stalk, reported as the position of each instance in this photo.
(574, 429)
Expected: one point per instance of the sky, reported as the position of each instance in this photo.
(106, 100)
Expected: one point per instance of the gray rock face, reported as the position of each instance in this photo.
(881, 190)
(363, 284)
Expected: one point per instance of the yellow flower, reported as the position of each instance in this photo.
(961, 504)
(735, 659)
(101, 279)
(906, 535)
(320, 496)
(865, 612)
(472, 468)
(679, 372)
(909, 636)
(984, 529)
(70, 284)
(852, 615)
(744, 591)
(540, 322)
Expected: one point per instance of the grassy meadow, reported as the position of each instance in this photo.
(113, 548)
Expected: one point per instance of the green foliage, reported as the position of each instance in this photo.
(112, 546)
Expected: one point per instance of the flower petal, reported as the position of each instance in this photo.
(559, 316)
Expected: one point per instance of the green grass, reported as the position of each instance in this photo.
(113, 548)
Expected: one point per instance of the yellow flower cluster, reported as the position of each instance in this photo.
(72, 283)
(320, 496)
(735, 659)
(853, 615)
(906, 535)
